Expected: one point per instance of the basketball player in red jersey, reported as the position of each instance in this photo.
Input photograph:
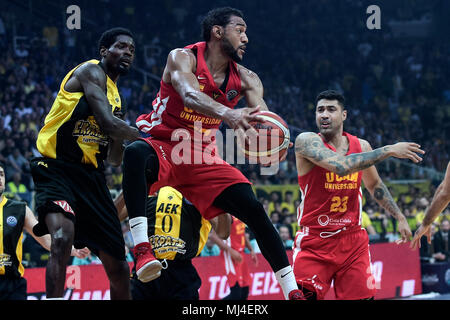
(232, 254)
(201, 83)
(331, 244)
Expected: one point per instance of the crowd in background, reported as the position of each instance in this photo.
(396, 87)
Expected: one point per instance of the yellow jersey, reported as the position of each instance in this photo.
(70, 131)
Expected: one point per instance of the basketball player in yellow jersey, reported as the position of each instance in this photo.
(15, 217)
(178, 233)
(81, 130)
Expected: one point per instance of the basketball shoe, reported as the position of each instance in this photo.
(148, 267)
(296, 295)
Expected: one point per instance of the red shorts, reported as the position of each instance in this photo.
(199, 183)
(236, 271)
(343, 258)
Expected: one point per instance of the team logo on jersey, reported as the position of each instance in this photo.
(89, 132)
(42, 163)
(164, 244)
(323, 220)
(11, 221)
(231, 94)
(314, 282)
(5, 260)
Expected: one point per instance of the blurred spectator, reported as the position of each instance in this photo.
(426, 250)
(367, 224)
(422, 204)
(291, 222)
(21, 51)
(18, 162)
(275, 218)
(285, 236)
(275, 202)
(210, 249)
(117, 177)
(15, 189)
(441, 242)
(288, 202)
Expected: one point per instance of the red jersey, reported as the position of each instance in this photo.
(236, 271)
(237, 235)
(331, 202)
(169, 112)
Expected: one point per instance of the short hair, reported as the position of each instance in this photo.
(331, 95)
(2, 164)
(220, 17)
(109, 36)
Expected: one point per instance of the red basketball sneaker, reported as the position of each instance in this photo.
(148, 267)
(296, 295)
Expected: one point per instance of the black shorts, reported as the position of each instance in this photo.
(180, 281)
(13, 288)
(81, 194)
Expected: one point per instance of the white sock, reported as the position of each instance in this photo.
(139, 230)
(286, 279)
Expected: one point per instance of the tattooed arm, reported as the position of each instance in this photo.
(309, 145)
(381, 194)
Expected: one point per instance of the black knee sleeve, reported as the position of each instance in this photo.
(140, 170)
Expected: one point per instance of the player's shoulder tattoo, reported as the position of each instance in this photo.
(310, 145)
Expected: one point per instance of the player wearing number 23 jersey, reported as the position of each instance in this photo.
(331, 246)
(330, 233)
(331, 202)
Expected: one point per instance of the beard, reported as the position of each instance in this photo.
(123, 71)
(230, 51)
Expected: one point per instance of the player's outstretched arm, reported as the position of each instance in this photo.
(309, 145)
(92, 80)
(179, 72)
(440, 201)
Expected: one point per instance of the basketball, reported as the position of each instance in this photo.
(273, 138)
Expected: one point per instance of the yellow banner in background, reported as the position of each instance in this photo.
(397, 188)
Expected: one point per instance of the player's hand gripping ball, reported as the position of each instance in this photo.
(272, 141)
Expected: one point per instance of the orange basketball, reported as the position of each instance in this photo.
(273, 138)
